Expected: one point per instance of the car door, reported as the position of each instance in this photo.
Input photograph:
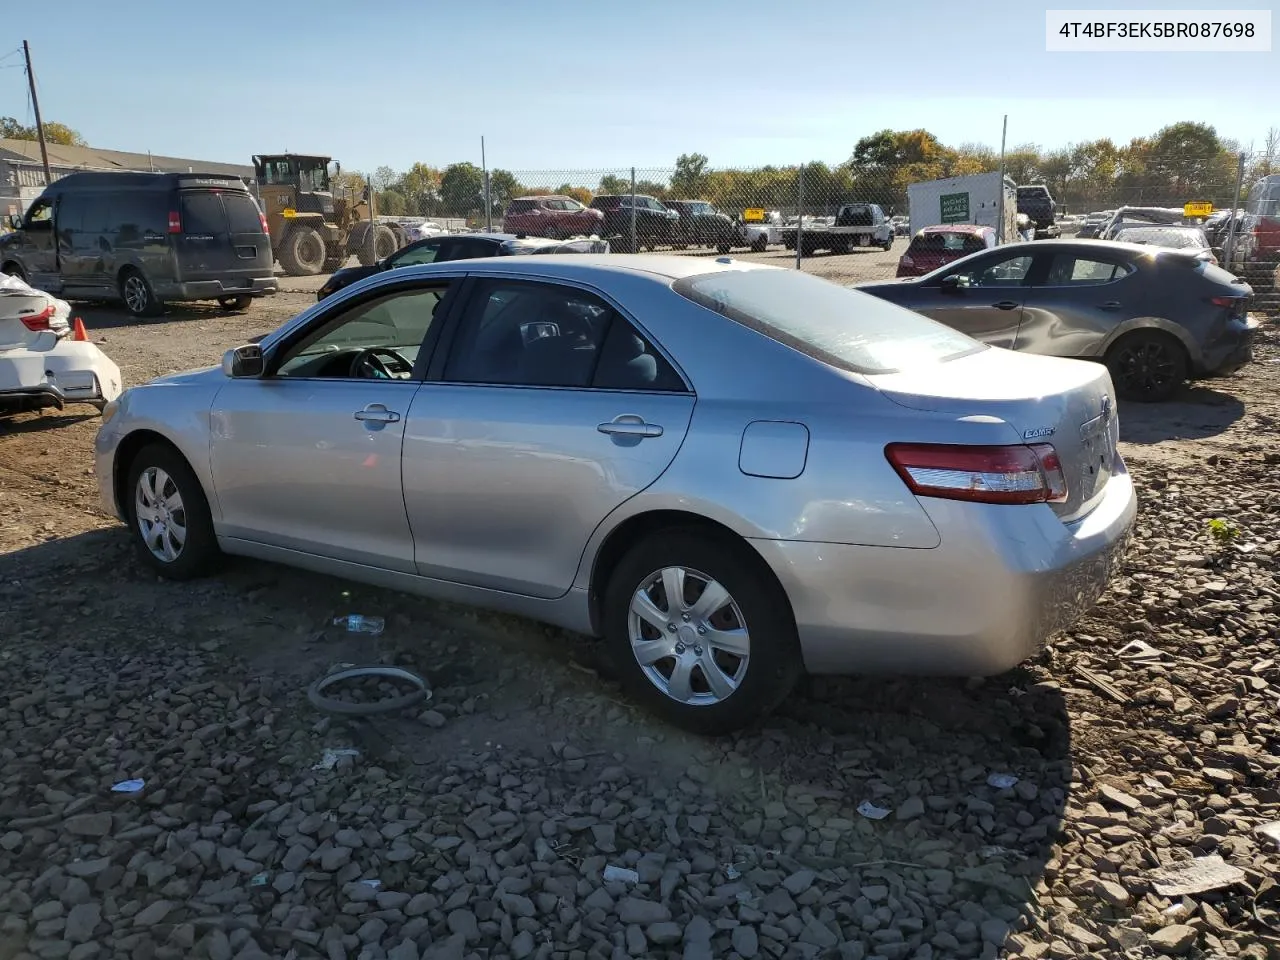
(1075, 300)
(307, 457)
(989, 307)
(550, 410)
(38, 246)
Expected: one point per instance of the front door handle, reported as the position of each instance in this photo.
(377, 413)
(629, 425)
(1111, 305)
(1007, 305)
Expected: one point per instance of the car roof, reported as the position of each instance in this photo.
(582, 266)
(1081, 247)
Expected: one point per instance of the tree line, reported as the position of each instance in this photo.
(1181, 162)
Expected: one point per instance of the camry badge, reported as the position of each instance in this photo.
(1039, 432)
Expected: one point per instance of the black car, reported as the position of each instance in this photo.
(656, 226)
(463, 246)
(1155, 316)
(144, 238)
(1035, 201)
(702, 225)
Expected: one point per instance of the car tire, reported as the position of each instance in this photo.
(12, 269)
(1147, 366)
(233, 304)
(137, 293)
(303, 253)
(723, 248)
(751, 686)
(760, 246)
(155, 534)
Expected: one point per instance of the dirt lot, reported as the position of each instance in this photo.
(480, 826)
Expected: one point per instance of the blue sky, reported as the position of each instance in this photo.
(578, 85)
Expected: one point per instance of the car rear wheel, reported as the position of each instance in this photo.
(238, 302)
(1147, 366)
(13, 270)
(760, 245)
(302, 254)
(700, 631)
(135, 290)
(169, 514)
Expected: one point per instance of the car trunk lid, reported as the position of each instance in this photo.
(1066, 403)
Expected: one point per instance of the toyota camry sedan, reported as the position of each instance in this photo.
(730, 473)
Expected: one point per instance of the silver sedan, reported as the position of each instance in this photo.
(731, 473)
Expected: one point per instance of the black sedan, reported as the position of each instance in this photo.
(1156, 317)
(461, 246)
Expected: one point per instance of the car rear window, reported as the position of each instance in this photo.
(606, 203)
(946, 243)
(520, 206)
(202, 213)
(1163, 237)
(839, 326)
(242, 213)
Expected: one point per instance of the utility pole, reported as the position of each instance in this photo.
(35, 106)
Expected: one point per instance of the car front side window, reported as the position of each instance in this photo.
(426, 252)
(1003, 272)
(375, 339)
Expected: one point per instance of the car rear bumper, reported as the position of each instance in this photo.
(1003, 581)
(1230, 352)
(71, 371)
(215, 289)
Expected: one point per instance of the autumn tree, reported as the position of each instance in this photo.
(462, 189)
(54, 132)
(689, 179)
(420, 186)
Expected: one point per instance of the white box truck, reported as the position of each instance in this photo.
(972, 199)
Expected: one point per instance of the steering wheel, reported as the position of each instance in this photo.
(368, 364)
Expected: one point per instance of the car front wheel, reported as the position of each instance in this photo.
(169, 514)
(700, 631)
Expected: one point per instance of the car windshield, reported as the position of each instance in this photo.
(1163, 237)
(831, 323)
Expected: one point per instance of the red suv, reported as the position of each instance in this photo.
(935, 247)
(555, 217)
(1256, 254)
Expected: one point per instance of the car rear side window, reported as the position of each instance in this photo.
(839, 326)
(242, 213)
(202, 213)
(520, 206)
(1070, 270)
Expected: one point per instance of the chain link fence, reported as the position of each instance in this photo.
(854, 223)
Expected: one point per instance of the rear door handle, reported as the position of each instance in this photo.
(1111, 305)
(377, 413)
(629, 425)
(1007, 305)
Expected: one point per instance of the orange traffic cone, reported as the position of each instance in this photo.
(79, 332)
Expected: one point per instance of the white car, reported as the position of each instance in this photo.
(42, 362)
(760, 234)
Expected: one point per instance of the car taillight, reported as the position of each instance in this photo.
(175, 221)
(1226, 301)
(1006, 474)
(262, 219)
(38, 322)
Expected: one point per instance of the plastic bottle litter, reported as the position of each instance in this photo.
(359, 623)
(612, 873)
(128, 786)
(871, 811)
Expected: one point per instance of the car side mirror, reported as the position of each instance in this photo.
(245, 362)
(15, 221)
(956, 281)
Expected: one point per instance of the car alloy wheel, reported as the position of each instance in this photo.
(1147, 367)
(137, 295)
(160, 513)
(688, 636)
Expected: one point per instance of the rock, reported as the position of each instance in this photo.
(664, 933)
(779, 902)
(433, 718)
(153, 913)
(88, 824)
(911, 808)
(464, 923)
(522, 945)
(643, 912)
(744, 941)
(637, 945)
(1118, 798)
(81, 921)
(1221, 707)
(335, 858)
(699, 929)
(1112, 893)
(517, 905)
(419, 905)
(798, 882)
(405, 950)
(1173, 940)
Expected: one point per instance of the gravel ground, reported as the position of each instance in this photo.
(1031, 815)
